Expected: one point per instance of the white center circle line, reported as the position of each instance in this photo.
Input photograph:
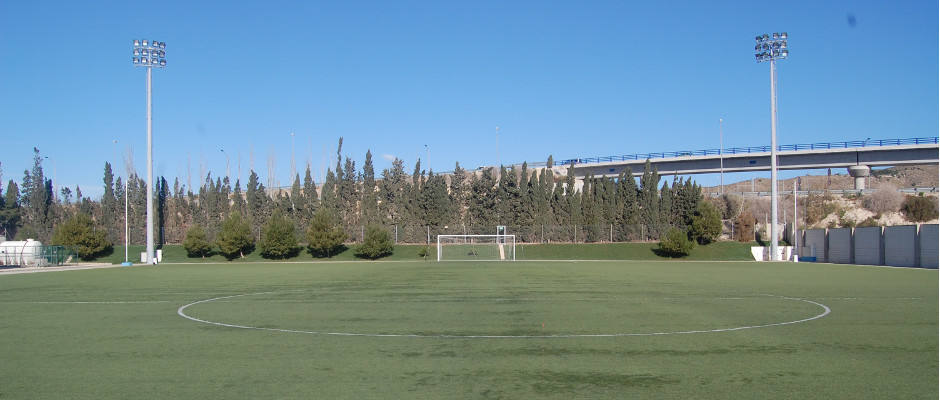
(826, 311)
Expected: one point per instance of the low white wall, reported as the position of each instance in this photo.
(761, 253)
(868, 245)
(929, 241)
(840, 246)
(901, 246)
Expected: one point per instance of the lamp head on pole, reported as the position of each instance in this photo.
(149, 53)
(771, 47)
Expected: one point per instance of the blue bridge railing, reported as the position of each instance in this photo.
(754, 149)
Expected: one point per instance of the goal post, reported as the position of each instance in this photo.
(476, 247)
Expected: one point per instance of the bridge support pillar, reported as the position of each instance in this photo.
(859, 172)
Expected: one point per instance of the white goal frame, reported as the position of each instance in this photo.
(501, 240)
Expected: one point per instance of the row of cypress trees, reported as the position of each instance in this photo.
(535, 204)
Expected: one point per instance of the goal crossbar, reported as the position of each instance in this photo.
(476, 247)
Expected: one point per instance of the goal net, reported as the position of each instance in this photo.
(476, 247)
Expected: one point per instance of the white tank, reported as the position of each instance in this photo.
(23, 253)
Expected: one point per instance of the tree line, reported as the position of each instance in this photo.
(534, 204)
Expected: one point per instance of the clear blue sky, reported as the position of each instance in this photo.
(571, 79)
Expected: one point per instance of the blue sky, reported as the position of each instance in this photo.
(571, 79)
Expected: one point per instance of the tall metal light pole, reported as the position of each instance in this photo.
(427, 152)
(772, 48)
(149, 54)
(721, 158)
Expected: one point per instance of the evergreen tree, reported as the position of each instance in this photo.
(325, 237)
(259, 205)
(79, 234)
(667, 214)
(706, 223)
(413, 202)
(311, 199)
(393, 193)
(111, 212)
(369, 207)
(238, 200)
(458, 194)
(688, 196)
(649, 201)
(589, 209)
(278, 239)
(328, 192)
(376, 244)
(627, 216)
(38, 195)
(482, 203)
(296, 199)
(163, 192)
(675, 243)
(434, 202)
(196, 242)
(544, 203)
(572, 206)
(10, 213)
(349, 195)
(235, 239)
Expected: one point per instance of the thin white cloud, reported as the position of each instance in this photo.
(389, 157)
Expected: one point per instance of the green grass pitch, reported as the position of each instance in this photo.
(603, 329)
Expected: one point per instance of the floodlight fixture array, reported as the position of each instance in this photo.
(149, 53)
(771, 47)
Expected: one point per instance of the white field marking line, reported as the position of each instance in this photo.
(480, 300)
(89, 302)
(180, 312)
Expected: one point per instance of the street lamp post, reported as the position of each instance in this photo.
(149, 54)
(227, 175)
(721, 158)
(293, 163)
(772, 48)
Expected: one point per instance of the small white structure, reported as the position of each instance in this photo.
(762, 253)
(22, 253)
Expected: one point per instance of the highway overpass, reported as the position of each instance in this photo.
(856, 156)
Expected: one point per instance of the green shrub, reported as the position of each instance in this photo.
(325, 238)
(79, 234)
(376, 244)
(919, 208)
(675, 243)
(196, 242)
(278, 239)
(706, 223)
(235, 237)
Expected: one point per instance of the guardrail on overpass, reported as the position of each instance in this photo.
(842, 192)
(746, 150)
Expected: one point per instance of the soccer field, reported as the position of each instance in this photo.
(610, 329)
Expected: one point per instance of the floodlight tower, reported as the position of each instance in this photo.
(149, 54)
(772, 48)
